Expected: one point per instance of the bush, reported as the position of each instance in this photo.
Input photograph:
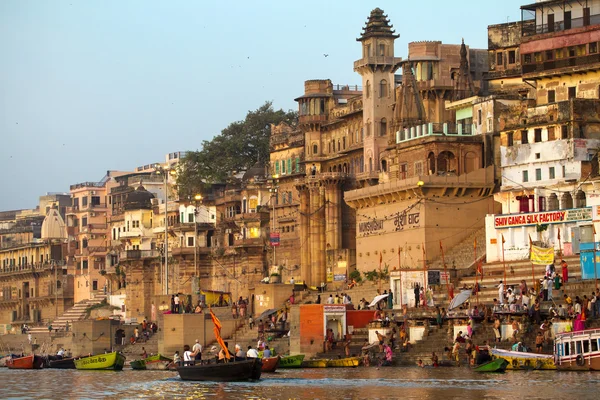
(371, 275)
(355, 275)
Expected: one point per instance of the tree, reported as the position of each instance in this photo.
(237, 148)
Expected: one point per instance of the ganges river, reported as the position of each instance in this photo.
(358, 383)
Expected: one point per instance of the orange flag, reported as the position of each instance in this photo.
(441, 248)
(558, 233)
(380, 257)
(217, 331)
(475, 243)
(503, 241)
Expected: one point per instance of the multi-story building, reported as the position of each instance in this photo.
(549, 144)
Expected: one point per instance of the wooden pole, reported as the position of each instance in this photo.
(532, 267)
(445, 270)
(503, 262)
(380, 260)
(424, 268)
(559, 244)
(476, 270)
(400, 275)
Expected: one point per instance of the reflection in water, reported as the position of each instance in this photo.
(358, 383)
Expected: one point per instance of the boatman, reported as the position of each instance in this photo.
(197, 349)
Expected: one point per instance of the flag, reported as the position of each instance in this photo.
(217, 331)
(380, 257)
(475, 243)
(441, 248)
(503, 241)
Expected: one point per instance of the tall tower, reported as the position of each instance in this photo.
(377, 67)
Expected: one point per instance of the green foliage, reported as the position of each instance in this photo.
(385, 272)
(237, 148)
(371, 275)
(355, 275)
(541, 227)
(102, 304)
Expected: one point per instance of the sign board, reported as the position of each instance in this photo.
(339, 277)
(433, 277)
(547, 217)
(275, 239)
(398, 222)
(334, 308)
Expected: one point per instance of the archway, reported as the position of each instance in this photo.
(431, 163)
(446, 163)
(566, 201)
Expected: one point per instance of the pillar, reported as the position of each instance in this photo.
(305, 262)
(314, 235)
(320, 217)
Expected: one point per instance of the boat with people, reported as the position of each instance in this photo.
(59, 362)
(343, 362)
(270, 364)
(291, 361)
(4, 359)
(109, 361)
(26, 362)
(155, 362)
(231, 371)
(577, 351)
(521, 360)
(496, 365)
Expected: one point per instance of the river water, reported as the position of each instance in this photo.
(358, 383)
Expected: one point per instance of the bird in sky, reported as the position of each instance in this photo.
(326, 55)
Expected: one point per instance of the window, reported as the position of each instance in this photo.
(512, 56)
(418, 168)
(593, 48)
(551, 96)
(190, 241)
(586, 16)
(572, 92)
(524, 138)
(550, 22)
(283, 167)
(83, 222)
(490, 125)
(541, 203)
(383, 127)
(499, 60)
(382, 49)
(538, 174)
(564, 132)
(84, 201)
(509, 139)
(383, 88)
(551, 135)
(84, 243)
(136, 224)
(571, 51)
(549, 55)
(538, 57)
(525, 176)
(537, 156)
(537, 135)
(297, 164)
(551, 174)
(527, 59)
(84, 265)
(479, 117)
(95, 200)
(567, 18)
(315, 149)
(276, 167)
(564, 171)
(190, 217)
(75, 201)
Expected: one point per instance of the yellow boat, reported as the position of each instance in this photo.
(114, 361)
(344, 362)
(317, 363)
(518, 360)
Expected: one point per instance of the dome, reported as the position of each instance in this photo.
(53, 226)
(139, 199)
(257, 170)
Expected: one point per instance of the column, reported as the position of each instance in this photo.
(329, 216)
(320, 217)
(305, 263)
(314, 235)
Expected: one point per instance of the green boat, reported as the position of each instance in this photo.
(496, 365)
(155, 362)
(291, 361)
(110, 361)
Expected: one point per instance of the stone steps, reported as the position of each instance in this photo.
(75, 313)
(461, 255)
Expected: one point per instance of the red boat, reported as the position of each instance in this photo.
(27, 362)
(270, 364)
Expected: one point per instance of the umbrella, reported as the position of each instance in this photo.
(377, 299)
(267, 313)
(459, 299)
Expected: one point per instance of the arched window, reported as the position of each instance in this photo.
(383, 88)
(58, 284)
(446, 163)
(383, 127)
(315, 149)
(431, 163)
(580, 200)
(384, 165)
(553, 202)
(566, 201)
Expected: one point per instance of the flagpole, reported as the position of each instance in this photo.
(424, 268)
(380, 260)
(476, 269)
(532, 270)
(503, 262)
(445, 269)
(400, 274)
(595, 267)
(559, 244)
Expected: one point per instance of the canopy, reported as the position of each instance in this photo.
(459, 299)
(266, 314)
(377, 299)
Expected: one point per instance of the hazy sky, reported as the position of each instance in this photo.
(88, 86)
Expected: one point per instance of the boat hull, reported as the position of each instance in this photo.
(270, 364)
(65, 363)
(291, 361)
(109, 361)
(318, 363)
(27, 362)
(496, 365)
(222, 372)
(343, 362)
(519, 361)
(156, 362)
(580, 363)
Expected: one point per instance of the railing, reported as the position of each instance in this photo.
(561, 63)
(379, 60)
(355, 88)
(530, 29)
(35, 267)
(88, 184)
(434, 129)
(138, 254)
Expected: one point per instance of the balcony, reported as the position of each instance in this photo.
(553, 67)
(307, 119)
(532, 29)
(87, 184)
(379, 61)
(434, 129)
(132, 255)
(30, 268)
(249, 242)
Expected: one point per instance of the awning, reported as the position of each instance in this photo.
(266, 314)
(377, 299)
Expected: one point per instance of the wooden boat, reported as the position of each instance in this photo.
(343, 362)
(316, 363)
(111, 361)
(155, 362)
(4, 359)
(577, 351)
(27, 362)
(291, 361)
(519, 360)
(62, 363)
(222, 372)
(270, 364)
(496, 365)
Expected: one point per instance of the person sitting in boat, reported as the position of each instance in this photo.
(224, 356)
(239, 353)
(176, 358)
(483, 354)
(60, 354)
(266, 352)
(251, 353)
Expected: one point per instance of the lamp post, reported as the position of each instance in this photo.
(273, 191)
(164, 171)
(198, 200)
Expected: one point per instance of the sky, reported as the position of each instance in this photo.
(90, 86)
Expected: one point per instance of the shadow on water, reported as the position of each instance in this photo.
(356, 383)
